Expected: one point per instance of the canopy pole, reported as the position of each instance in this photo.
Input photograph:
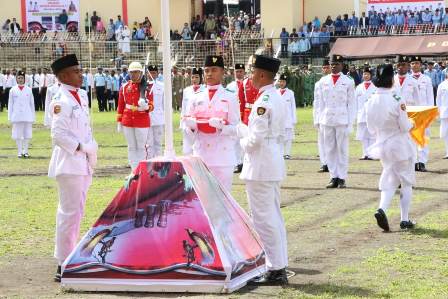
(168, 98)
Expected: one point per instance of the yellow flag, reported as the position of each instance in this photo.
(422, 116)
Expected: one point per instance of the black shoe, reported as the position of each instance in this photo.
(326, 168)
(273, 277)
(19, 156)
(446, 157)
(287, 157)
(238, 168)
(407, 224)
(417, 166)
(422, 167)
(364, 158)
(26, 156)
(323, 168)
(341, 184)
(381, 219)
(369, 159)
(333, 183)
(57, 276)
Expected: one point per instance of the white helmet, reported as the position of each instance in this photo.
(135, 66)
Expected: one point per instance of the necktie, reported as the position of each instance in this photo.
(401, 80)
(76, 96)
(21, 87)
(282, 91)
(33, 82)
(416, 76)
(196, 88)
(211, 93)
(366, 85)
(45, 81)
(335, 78)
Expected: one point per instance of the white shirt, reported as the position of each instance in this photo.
(46, 80)
(442, 99)
(290, 104)
(33, 80)
(21, 105)
(408, 91)
(157, 116)
(362, 96)
(10, 81)
(425, 91)
(51, 92)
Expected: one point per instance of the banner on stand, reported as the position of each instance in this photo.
(44, 15)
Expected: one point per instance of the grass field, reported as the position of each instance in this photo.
(335, 247)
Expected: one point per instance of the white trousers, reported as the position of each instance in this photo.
(239, 153)
(444, 132)
(423, 153)
(22, 130)
(72, 197)
(224, 174)
(321, 146)
(395, 173)
(287, 144)
(336, 150)
(187, 143)
(155, 138)
(264, 205)
(137, 139)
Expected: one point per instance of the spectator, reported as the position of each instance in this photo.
(374, 22)
(186, 32)
(126, 40)
(14, 27)
(175, 35)
(390, 22)
(436, 18)
(426, 16)
(294, 48)
(328, 22)
(412, 23)
(304, 47)
(445, 17)
(354, 22)
(354, 75)
(316, 23)
(293, 34)
(93, 21)
(364, 23)
(258, 22)
(6, 26)
(63, 20)
(110, 31)
(100, 26)
(345, 24)
(338, 26)
(197, 25)
(86, 23)
(209, 26)
(118, 23)
(315, 42)
(284, 38)
(147, 25)
(435, 77)
(325, 40)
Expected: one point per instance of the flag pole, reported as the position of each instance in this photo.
(168, 99)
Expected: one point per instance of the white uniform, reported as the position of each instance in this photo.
(10, 81)
(425, 98)
(263, 170)
(290, 118)
(442, 104)
(21, 114)
(51, 92)
(337, 111)
(408, 91)
(157, 122)
(217, 149)
(187, 139)
(388, 121)
(72, 168)
(233, 87)
(320, 130)
(362, 95)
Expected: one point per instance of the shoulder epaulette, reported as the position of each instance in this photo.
(396, 97)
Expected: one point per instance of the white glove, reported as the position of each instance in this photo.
(191, 123)
(216, 122)
(143, 104)
(92, 159)
(242, 130)
(89, 148)
(349, 129)
(119, 128)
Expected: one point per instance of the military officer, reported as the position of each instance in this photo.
(178, 86)
(337, 111)
(99, 80)
(188, 94)
(387, 119)
(287, 96)
(425, 98)
(326, 70)
(74, 154)
(133, 116)
(154, 92)
(362, 94)
(21, 114)
(264, 167)
(442, 104)
(212, 116)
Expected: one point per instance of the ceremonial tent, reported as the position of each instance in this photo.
(171, 228)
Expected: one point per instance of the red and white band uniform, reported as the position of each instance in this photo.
(187, 138)
(442, 104)
(154, 94)
(289, 100)
(263, 170)
(212, 116)
(362, 94)
(21, 114)
(72, 162)
(337, 112)
(133, 119)
(247, 95)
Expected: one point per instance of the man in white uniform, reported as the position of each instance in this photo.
(154, 92)
(264, 167)
(388, 121)
(362, 94)
(74, 154)
(51, 92)
(187, 96)
(442, 104)
(337, 112)
(21, 114)
(326, 70)
(289, 99)
(212, 116)
(425, 98)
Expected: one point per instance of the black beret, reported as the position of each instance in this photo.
(214, 60)
(283, 77)
(63, 63)
(367, 70)
(239, 66)
(337, 59)
(266, 63)
(152, 68)
(196, 71)
(384, 75)
(431, 62)
(402, 58)
(326, 62)
(415, 58)
(20, 74)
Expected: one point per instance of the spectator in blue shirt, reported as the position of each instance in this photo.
(353, 21)
(284, 38)
(374, 22)
(316, 23)
(338, 26)
(118, 23)
(115, 87)
(324, 37)
(432, 73)
(390, 22)
(436, 18)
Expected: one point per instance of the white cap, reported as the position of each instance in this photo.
(135, 66)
